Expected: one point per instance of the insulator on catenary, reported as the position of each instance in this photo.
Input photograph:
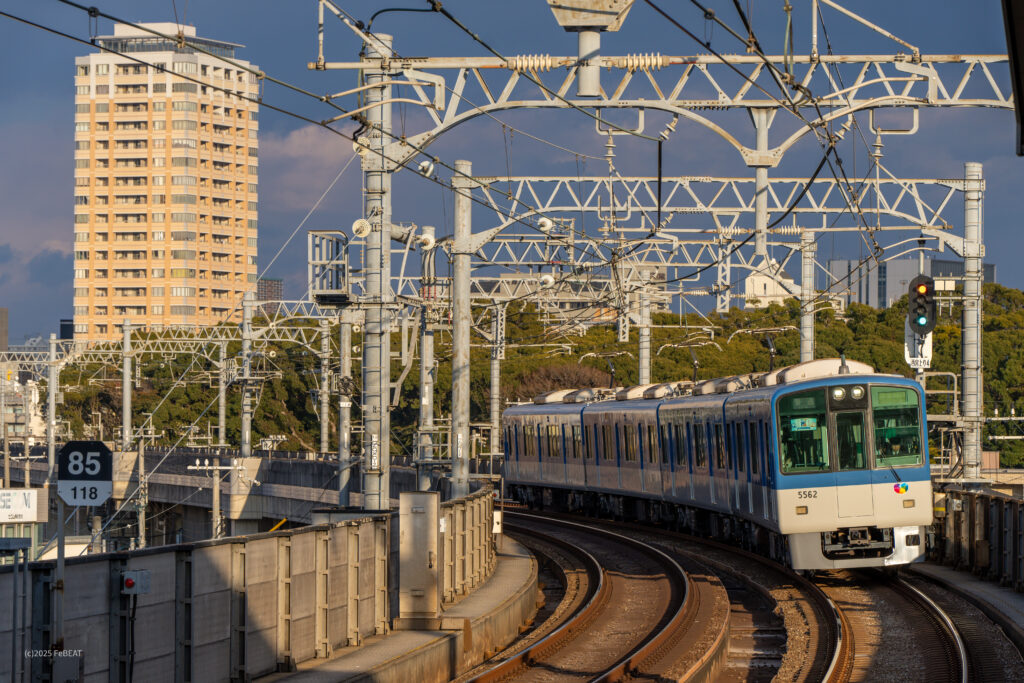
(530, 63)
(787, 230)
(645, 61)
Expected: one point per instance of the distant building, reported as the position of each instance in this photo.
(4, 330)
(67, 328)
(165, 197)
(269, 289)
(881, 285)
(760, 289)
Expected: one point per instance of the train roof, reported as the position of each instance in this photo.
(646, 397)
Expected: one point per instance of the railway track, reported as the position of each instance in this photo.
(778, 625)
(896, 631)
(638, 617)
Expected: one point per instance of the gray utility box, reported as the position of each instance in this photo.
(418, 560)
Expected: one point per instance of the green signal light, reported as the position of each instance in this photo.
(922, 320)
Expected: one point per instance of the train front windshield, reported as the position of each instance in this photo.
(897, 423)
(826, 429)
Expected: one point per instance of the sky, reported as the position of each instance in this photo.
(299, 161)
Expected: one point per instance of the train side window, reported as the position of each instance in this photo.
(577, 442)
(652, 444)
(554, 448)
(609, 449)
(700, 445)
(755, 455)
(719, 447)
(629, 443)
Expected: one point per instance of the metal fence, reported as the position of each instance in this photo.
(981, 532)
(467, 543)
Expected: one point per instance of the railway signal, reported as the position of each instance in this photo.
(921, 305)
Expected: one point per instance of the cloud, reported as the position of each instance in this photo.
(50, 267)
(297, 167)
(5, 253)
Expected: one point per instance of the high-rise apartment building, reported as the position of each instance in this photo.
(165, 183)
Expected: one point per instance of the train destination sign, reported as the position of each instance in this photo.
(85, 473)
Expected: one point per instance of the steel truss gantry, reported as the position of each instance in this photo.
(818, 95)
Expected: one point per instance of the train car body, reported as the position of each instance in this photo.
(815, 468)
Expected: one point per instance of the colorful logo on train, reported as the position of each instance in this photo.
(901, 487)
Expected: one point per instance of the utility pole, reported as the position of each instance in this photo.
(461, 323)
(126, 386)
(425, 441)
(215, 469)
(807, 250)
(377, 336)
(325, 384)
(971, 324)
(247, 304)
(644, 330)
(222, 395)
(344, 415)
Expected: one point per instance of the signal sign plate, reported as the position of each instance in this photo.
(85, 473)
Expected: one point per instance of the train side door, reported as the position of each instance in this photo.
(668, 469)
(689, 456)
(736, 452)
(768, 458)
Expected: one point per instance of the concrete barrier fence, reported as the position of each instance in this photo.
(215, 611)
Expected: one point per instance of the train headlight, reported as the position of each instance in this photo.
(838, 393)
(857, 393)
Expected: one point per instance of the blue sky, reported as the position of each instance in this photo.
(297, 161)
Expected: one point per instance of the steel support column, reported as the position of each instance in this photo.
(497, 355)
(425, 440)
(644, 329)
(762, 119)
(222, 395)
(971, 324)
(377, 267)
(807, 250)
(126, 386)
(325, 384)
(245, 449)
(344, 416)
(462, 321)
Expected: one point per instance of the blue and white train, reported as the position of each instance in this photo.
(819, 465)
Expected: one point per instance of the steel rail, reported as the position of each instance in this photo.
(939, 615)
(598, 595)
(648, 649)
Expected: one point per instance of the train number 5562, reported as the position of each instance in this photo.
(807, 494)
